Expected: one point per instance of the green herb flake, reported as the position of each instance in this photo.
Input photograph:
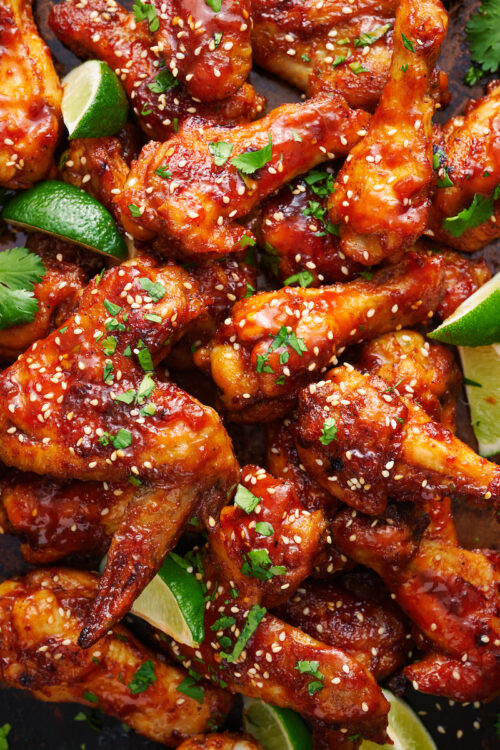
(189, 687)
(255, 615)
(134, 210)
(259, 565)
(250, 161)
(164, 81)
(111, 307)
(143, 678)
(4, 731)
(216, 5)
(146, 388)
(477, 213)
(221, 151)
(146, 12)
(407, 43)
(245, 499)
(370, 37)
(339, 59)
(217, 38)
(303, 278)
(328, 431)
(20, 270)
(144, 356)
(264, 529)
(222, 623)
(163, 172)
(90, 697)
(358, 67)
(107, 373)
(247, 241)
(109, 345)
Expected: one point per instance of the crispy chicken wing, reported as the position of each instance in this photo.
(40, 618)
(220, 742)
(275, 342)
(209, 50)
(301, 244)
(462, 277)
(29, 121)
(356, 614)
(85, 404)
(104, 29)
(364, 443)
(316, 45)
(383, 191)
(451, 595)
(468, 154)
(197, 205)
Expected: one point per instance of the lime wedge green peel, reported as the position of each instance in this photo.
(173, 602)
(68, 212)
(275, 728)
(94, 103)
(481, 366)
(405, 729)
(476, 322)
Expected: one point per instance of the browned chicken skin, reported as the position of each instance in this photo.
(104, 29)
(220, 742)
(383, 192)
(208, 50)
(259, 367)
(29, 123)
(382, 445)
(41, 616)
(451, 595)
(197, 204)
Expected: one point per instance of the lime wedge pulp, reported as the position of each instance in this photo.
(275, 728)
(405, 729)
(481, 366)
(476, 322)
(94, 103)
(67, 212)
(173, 602)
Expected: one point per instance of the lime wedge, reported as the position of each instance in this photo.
(405, 729)
(67, 212)
(481, 367)
(94, 103)
(275, 728)
(476, 322)
(173, 602)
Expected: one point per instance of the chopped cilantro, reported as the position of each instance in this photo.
(216, 5)
(328, 431)
(404, 67)
(321, 183)
(262, 364)
(250, 291)
(250, 161)
(339, 59)
(368, 275)
(134, 210)
(305, 57)
(477, 213)
(143, 678)
(146, 388)
(473, 75)
(221, 151)
(217, 38)
(245, 499)
(175, 124)
(264, 529)
(153, 317)
(146, 12)
(163, 172)
(90, 697)
(144, 356)
(155, 290)
(189, 687)
(314, 687)
(255, 615)
(247, 241)
(109, 345)
(407, 43)
(4, 731)
(358, 67)
(286, 338)
(259, 565)
(483, 36)
(107, 373)
(222, 623)
(370, 37)
(296, 136)
(20, 270)
(111, 307)
(303, 278)
(164, 81)
(123, 439)
(145, 112)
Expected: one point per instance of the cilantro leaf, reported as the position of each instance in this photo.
(473, 75)
(189, 687)
(358, 68)
(477, 213)
(245, 499)
(218, 38)
(19, 271)
(164, 81)
(255, 615)
(109, 345)
(216, 5)
(250, 161)
(146, 388)
(143, 678)
(339, 59)
(146, 12)
(370, 37)
(483, 36)
(286, 338)
(407, 43)
(264, 529)
(222, 623)
(328, 431)
(163, 172)
(221, 151)
(155, 290)
(303, 278)
(4, 731)
(259, 565)
(90, 697)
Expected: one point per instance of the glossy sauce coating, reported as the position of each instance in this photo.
(29, 124)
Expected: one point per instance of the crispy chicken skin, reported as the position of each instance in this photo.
(197, 206)
(209, 51)
(462, 277)
(385, 445)
(301, 41)
(354, 613)
(426, 372)
(29, 123)
(40, 618)
(220, 742)
(104, 29)
(68, 399)
(471, 146)
(298, 242)
(451, 594)
(324, 321)
(383, 192)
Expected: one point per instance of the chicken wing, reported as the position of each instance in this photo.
(85, 404)
(29, 123)
(451, 595)
(275, 342)
(301, 244)
(221, 742)
(207, 49)
(346, 48)
(104, 29)
(189, 189)
(353, 613)
(467, 154)
(364, 443)
(383, 192)
(40, 618)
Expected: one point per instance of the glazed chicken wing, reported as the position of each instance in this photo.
(451, 595)
(383, 192)
(344, 48)
(207, 49)
(364, 443)
(41, 616)
(275, 342)
(29, 122)
(104, 29)
(85, 404)
(467, 152)
(220, 742)
(189, 190)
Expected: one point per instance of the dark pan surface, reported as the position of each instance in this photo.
(44, 726)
